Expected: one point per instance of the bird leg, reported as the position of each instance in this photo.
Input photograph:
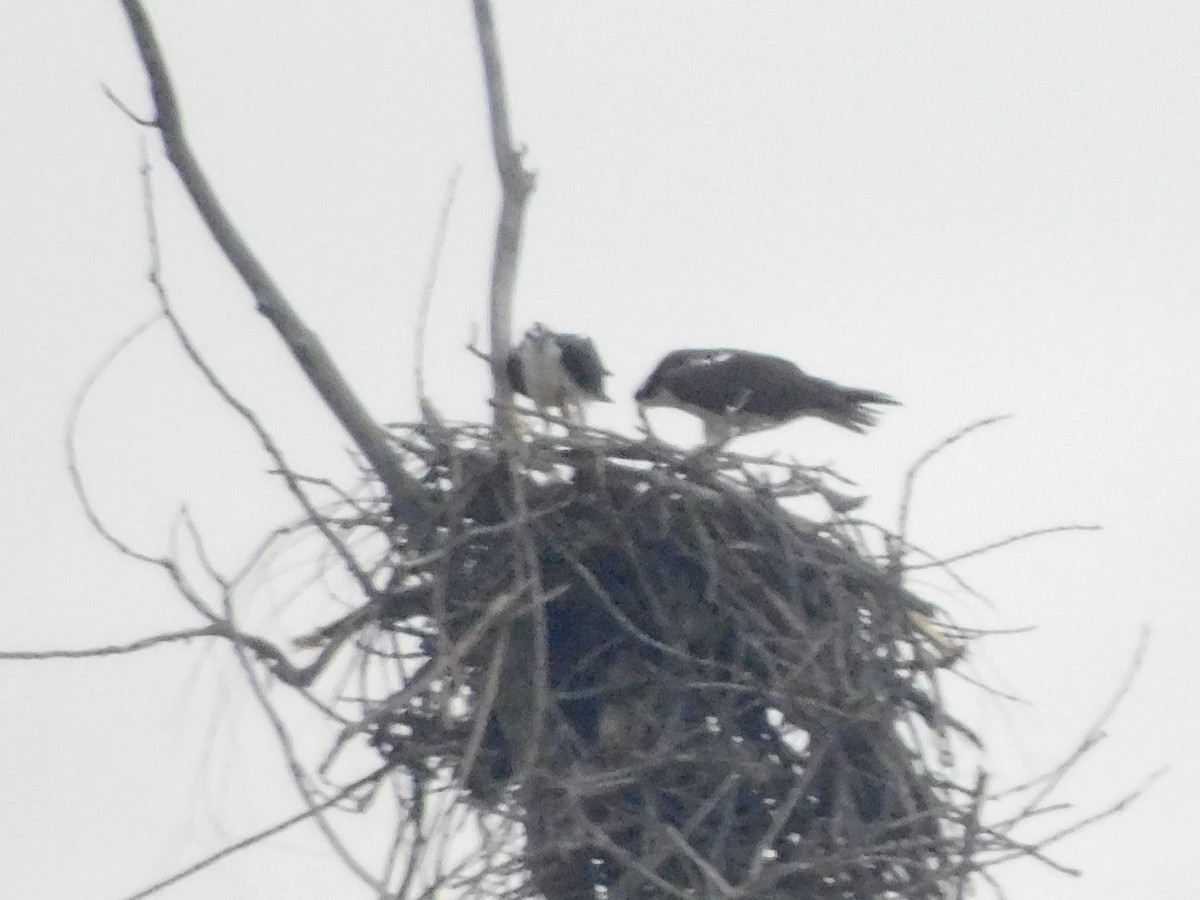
(717, 433)
(645, 420)
(572, 414)
(719, 430)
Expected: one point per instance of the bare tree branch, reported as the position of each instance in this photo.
(996, 545)
(516, 183)
(1095, 732)
(76, 409)
(258, 837)
(300, 778)
(1117, 806)
(428, 411)
(294, 485)
(972, 834)
(118, 649)
(305, 346)
(910, 479)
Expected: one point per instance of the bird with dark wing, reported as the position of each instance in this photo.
(558, 371)
(737, 391)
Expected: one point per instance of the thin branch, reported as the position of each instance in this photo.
(257, 838)
(118, 649)
(428, 411)
(265, 439)
(124, 108)
(1095, 732)
(910, 476)
(516, 183)
(971, 836)
(432, 669)
(299, 776)
(73, 414)
(723, 887)
(406, 493)
(1117, 806)
(266, 652)
(996, 545)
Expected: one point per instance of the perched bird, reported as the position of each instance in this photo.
(737, 391)
(557, 371)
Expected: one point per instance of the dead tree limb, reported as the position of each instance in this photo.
(910, 479)
(305, 346)
(429, 412)
(516, 182)
(259, 837)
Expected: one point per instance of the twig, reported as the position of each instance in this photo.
(73, 414)
(431, 670)
(124, 108)
(996, 545)
(910, 477)
(118, 649)
(1112, 809)
(256, 838)
(299, 776)
(1093, 735)
(428, 412)
(247, 415)
(966, 864)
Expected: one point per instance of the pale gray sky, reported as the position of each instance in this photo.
(979, 208)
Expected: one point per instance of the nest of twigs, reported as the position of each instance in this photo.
(598, 667)
(672, 683)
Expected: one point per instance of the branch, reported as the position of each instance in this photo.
(1094, 734)
(118, 649)
(258, 837)
(972, 835)
(910, 478)
(516, 183)
(322, 372)
(76, 410)
(996, 545)
(193, 353)
(1117, 806)
(299, 777)
(428, 412)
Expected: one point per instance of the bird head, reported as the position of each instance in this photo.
(645, 393)
(654, 390)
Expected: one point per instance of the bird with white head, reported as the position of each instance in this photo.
(557, 371)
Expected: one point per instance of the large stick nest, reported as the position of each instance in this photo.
(600, 667)
(677, 686)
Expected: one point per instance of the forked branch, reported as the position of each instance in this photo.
(516, 182)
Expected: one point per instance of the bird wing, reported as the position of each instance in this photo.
(582, 362)
(758, 384)
(516, 371)
(720, 380)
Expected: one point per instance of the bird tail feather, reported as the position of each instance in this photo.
(856, 412)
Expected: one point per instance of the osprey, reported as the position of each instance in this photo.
(556, 370)
(736, 391)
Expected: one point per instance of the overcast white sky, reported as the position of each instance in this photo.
(979, 208)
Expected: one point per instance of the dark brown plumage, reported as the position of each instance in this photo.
(738, 391)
